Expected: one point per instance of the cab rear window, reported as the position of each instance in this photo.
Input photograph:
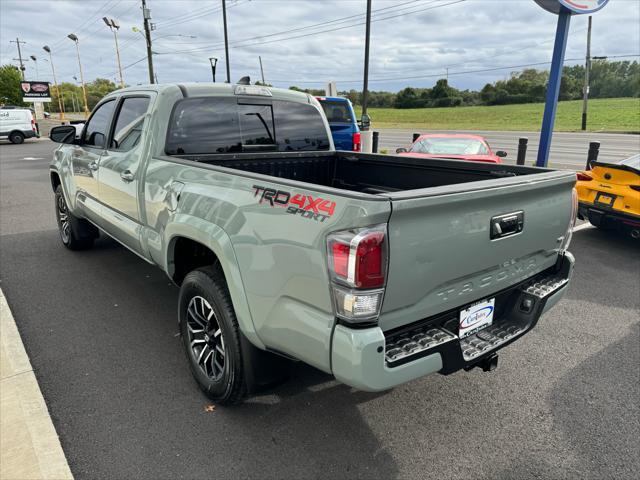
(337, 112)
(209, 125)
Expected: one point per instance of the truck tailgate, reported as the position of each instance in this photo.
(442, 256)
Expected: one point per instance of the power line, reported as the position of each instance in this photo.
(196, 15)
(88, 22)
(439, 74)
(124, 68)
(241, 44)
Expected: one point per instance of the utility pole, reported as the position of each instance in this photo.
(261, 70)
(226, 39)
(22, 67)
(146, 15)
(365, 88)
(587, 71)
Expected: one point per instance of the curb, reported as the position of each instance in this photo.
(29, 444)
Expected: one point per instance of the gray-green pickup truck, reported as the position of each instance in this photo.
(376, 269)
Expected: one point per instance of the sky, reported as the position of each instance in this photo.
(309, 42)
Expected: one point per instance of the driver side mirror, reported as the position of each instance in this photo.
(63, 134)
(501, 153)
(401, 150)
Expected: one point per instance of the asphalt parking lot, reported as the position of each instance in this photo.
(100, 329)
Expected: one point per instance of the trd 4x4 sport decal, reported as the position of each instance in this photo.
(306, 206)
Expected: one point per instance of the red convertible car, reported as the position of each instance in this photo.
(455, 146)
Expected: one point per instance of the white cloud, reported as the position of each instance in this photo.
(466, 36)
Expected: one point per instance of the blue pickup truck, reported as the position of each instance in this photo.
(342, 121)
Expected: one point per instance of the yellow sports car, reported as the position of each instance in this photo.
(609, 195)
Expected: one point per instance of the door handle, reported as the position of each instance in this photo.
(127, 176)
(93, 166)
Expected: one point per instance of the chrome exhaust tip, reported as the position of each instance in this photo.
(635, 233)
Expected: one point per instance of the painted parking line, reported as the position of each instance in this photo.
(582, 226)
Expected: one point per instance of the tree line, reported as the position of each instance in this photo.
(607, 80)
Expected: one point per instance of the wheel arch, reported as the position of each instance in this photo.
(193, 243)
(55, 179)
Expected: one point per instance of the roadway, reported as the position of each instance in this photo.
(100, 329)
(568, 150)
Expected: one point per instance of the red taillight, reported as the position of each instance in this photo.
(359, 257)
(33, 125)
(340, 252)
(357, 144)
(583, 177)
(358, 268)
(369, 261)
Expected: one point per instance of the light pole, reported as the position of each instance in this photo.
(114, 26)
(55, 82)
(84, 89)
(35, 60)
(213, 61)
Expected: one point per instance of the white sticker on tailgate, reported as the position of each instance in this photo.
(476, 317)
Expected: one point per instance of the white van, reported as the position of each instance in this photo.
(17, 124)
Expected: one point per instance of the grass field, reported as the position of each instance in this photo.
(607, 115)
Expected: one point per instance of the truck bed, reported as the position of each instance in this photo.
(366, 173)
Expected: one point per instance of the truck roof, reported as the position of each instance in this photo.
(333, 99)
(217, 89)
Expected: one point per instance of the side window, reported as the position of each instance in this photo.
(97, 129)
(126, 134)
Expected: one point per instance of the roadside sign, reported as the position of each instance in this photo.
(35, 91)
(574, 6)
(565, 9)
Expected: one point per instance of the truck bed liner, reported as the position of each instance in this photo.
(365, 173)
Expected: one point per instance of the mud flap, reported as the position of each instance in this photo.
(262, 369)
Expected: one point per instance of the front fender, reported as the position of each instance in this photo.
(61, 165)
(216, 239)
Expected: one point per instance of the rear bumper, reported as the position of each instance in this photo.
(606, 217)
(366, 358)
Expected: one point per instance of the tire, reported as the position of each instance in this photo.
(75, 233)
(211, 337)
(16, 137)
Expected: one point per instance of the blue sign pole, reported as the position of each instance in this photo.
(553, 89)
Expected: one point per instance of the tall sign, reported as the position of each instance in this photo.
(564, 9)
(574, 6)
(35, 91)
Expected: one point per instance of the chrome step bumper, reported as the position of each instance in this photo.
(522, 306)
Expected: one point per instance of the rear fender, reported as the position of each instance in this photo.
(217, 240)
